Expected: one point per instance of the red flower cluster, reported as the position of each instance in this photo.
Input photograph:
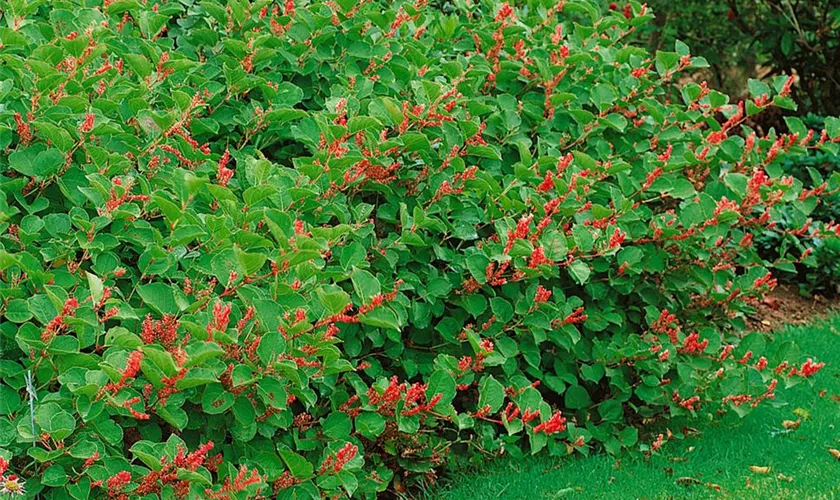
(334, 463)
(691, 346)
(547, 184)
(115, 200)
(556, 423)
(223, 173)
(538, 258)
(23, 129)
(89, 462)
(116, 483)
(239, 483)
(505, 15)
(768, 394)
(657, 443)
(87, 125)
(688, 403)
(521, 232)
(542, 295)
(57, 325)
(164, 331)
(737, 400)
(616, 239)
(127, 404)
(666, 324)
(767, 280)
(577, 316)
(221, 318)
(746, 358)
(168, 473)
(807, 369)
(132, 368)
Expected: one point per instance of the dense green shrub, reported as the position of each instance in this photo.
(819, 271)
(322, 249)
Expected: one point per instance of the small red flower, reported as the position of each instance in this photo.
(554, 424)
(223, 173)
(538, 258)
(87, 125)
(91, 460)
(657, 443)
(547, 184)
(542, 295)
(117, 482)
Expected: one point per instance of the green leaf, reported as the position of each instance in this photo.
(297, 464)
(333, 298)
(17, 311)
(580, 271)
(583, 238)
(484, 152)
(758, 88)
(161, 358)
(477, 265)
(365, 284)
(10, 401)
(441, 382)
(502, 309)
(337, 426)
(160, 297)
(201, 352)
(382, 317)
(216, 399)
(490, 393)
(610, 410)
(370, 424)
(438, 287)
(576, 397)
(357, 123)
(54, 476)
(272, 345)
(32, 163)
(603, 96)
(96, 287)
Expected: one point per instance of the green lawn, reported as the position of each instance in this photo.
(801, 466)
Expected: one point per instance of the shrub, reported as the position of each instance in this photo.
(746, 37)
(819, 270)
(323, 249)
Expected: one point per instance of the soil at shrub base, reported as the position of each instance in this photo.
(786, 306)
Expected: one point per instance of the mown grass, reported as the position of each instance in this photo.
(721, 454)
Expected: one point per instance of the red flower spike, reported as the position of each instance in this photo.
(87, 125)
(542, 295)
(117, 482)
(657, 443)
(554, 424)
(529, 415)
(538, 258)
(223, 173)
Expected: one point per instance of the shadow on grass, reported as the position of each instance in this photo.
(799, 461)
